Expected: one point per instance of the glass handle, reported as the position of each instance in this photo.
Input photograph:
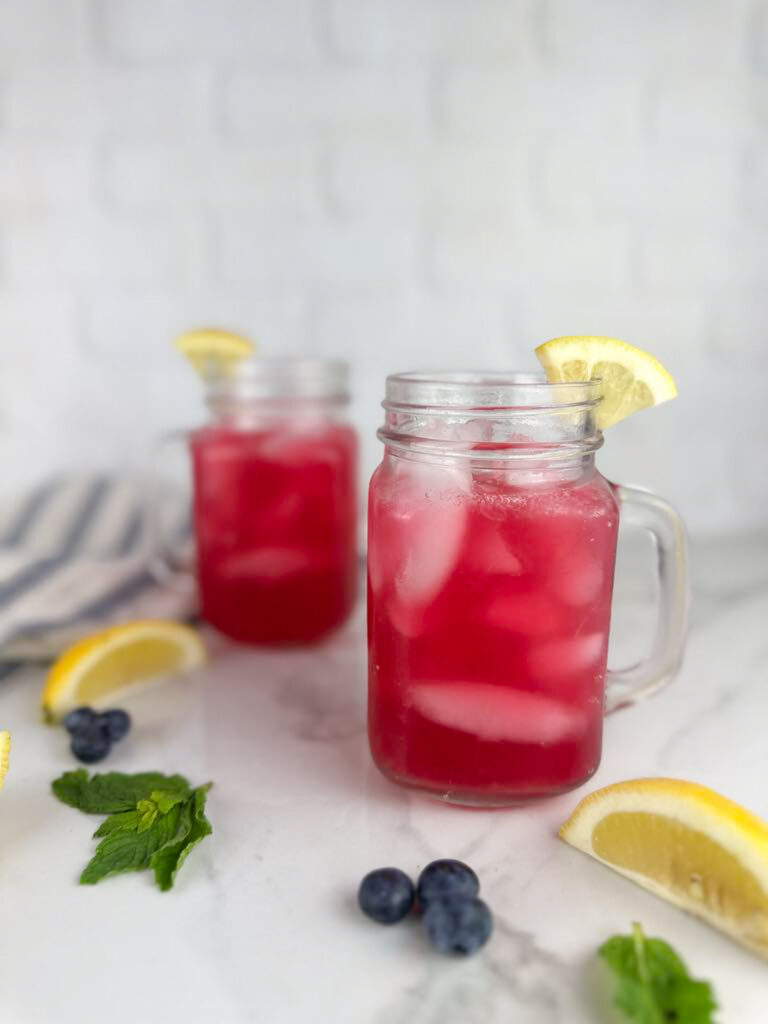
(166, 532)
(651, 513)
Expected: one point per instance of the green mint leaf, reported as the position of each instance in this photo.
(653, 984)
(147, 814)
(126, 850)
(166, 800)
(126, 821)
(114, 791)
(167, 862)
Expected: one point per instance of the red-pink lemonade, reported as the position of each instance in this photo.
(489, 610)
(275, 505)
(492, 541)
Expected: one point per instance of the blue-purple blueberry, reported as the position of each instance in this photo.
(116, 723)
(458, 924)
(91, 745)
(444, 878)
(386, 895)
(79, 720)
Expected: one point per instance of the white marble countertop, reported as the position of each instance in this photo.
(263, 926)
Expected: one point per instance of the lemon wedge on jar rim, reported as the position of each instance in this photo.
(685, 843)
(631, 378)
(93, 670)
(210, 349)
(5, 749)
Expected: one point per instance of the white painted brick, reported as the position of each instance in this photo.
(523, 104)
(417, 30)
(759, 35)
(411, 329)
(755, 185)
(94, 250)
(377, 178)
(739, 329)
(142, 323)
(339, 102)
(670, 181)
(370, 255)
(507, 254)
(40, 418)
(31, 29)
(665, 326)
(718, 110)
(490, 179)
(248, 29)
(644, 35)
(685, 260)
(282, 180)
(72, 101)
(44, 179)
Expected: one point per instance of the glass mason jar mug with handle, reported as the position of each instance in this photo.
(274, 501)
(491, 551)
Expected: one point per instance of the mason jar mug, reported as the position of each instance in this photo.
(491, 550)
(274, 501)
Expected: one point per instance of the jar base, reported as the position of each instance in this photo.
(472, 799)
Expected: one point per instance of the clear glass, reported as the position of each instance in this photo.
(492, 543)
(274, 502)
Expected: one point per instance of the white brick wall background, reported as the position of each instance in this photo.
(405, 183)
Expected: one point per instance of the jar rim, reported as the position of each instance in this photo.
(280, 377)
(487, 390)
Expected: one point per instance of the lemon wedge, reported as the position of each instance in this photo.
(210, 349)
(631, 379)
(685, 843)
(93, 670)
(5, 749)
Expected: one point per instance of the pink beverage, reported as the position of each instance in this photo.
(492, 541)
(275, 504)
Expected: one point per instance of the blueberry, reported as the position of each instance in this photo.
(386, 895)
(456, 924)
(115, 723)
(91, 745)
(446, 878)
(79, 720)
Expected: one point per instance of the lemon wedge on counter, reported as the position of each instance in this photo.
(631, 379)
(93, 670)
(685, 843)
(211, 349)
(5, 749)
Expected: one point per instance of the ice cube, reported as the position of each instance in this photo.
(271, 564)
(498, 713)
(579, 580)
(528, 612)
(299, 447)
(408, 619)
(488, 552)
(420, 534)
(555, 659)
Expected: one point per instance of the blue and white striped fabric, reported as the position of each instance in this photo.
(73, 558)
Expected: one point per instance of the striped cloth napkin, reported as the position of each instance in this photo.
(74, 558)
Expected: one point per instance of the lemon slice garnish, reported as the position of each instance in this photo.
(93, 670)
(685, 843)
(211, 350)
(5, 749)
(631, 378)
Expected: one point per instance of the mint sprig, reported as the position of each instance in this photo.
(653, 983)
(114, 791)
(154, 821)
